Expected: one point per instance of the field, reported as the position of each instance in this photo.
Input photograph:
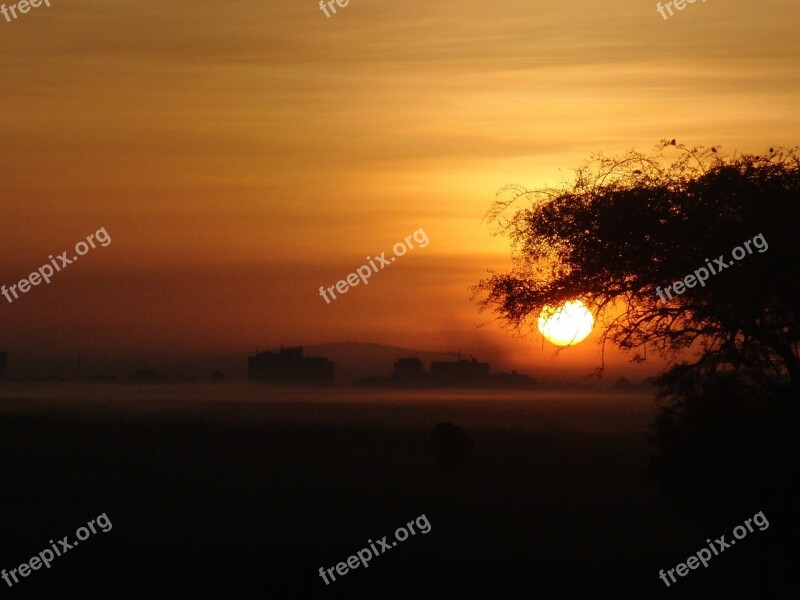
(247, 491)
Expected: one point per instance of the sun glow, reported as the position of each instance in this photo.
(570, 323)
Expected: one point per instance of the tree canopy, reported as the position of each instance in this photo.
(626, 226)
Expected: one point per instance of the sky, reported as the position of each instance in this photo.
(241, 155)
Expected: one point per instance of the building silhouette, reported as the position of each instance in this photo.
(511, 380)
(408, 372)
(461, 373)
(289, 366)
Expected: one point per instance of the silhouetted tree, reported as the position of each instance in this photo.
(726, 438)
(626, 226)
(451, 448)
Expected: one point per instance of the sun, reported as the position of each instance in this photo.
(566, 325)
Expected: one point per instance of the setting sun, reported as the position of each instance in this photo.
(566, 325)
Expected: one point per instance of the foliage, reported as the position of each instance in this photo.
(625, 226)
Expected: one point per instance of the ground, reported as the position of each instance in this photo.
(248, 491)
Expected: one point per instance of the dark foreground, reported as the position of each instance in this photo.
(248, 498)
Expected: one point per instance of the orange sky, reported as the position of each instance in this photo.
(242, 154)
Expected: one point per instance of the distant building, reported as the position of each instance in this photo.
(3, 366)
(466, 373)
(512, 380)
(408, 372)
(289, 366)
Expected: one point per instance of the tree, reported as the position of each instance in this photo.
(628, 227)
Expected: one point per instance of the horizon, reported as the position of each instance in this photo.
(201, 365)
